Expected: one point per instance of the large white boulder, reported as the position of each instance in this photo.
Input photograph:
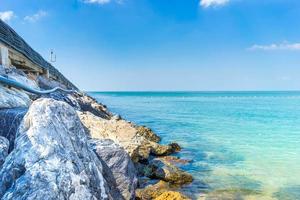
(52, 159)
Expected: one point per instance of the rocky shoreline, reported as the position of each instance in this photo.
(69, 146)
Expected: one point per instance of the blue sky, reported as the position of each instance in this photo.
(108, 45)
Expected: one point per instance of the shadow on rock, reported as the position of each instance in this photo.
(10, 120)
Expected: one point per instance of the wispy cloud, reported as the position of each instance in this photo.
(274, 47)
(97, 1)
(6, 16)
(211, 3)
(35, 17)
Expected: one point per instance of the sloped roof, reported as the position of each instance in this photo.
(10, 38)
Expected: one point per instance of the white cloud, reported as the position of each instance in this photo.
(6, 16)
(97, 1)
(35, 17)
(209, 3)
(274, 47)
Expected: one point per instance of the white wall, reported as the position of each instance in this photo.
(4, 59)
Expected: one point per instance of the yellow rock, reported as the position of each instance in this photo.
(170, 195)
(152, 191)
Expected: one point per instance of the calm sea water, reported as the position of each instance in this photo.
(244, 145)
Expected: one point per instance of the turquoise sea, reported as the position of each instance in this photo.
(243, 145)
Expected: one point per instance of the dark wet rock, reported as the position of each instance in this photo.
(163, 170)
(10, 120)
(4, 145)
(52, 158)
(119, 162)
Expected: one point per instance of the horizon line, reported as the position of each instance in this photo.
(209, 91)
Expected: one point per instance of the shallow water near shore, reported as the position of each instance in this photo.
(244, 145)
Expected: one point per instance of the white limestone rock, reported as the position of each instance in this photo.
(52, 159)
(13, 98)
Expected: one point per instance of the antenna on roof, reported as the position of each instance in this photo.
(52, 56)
